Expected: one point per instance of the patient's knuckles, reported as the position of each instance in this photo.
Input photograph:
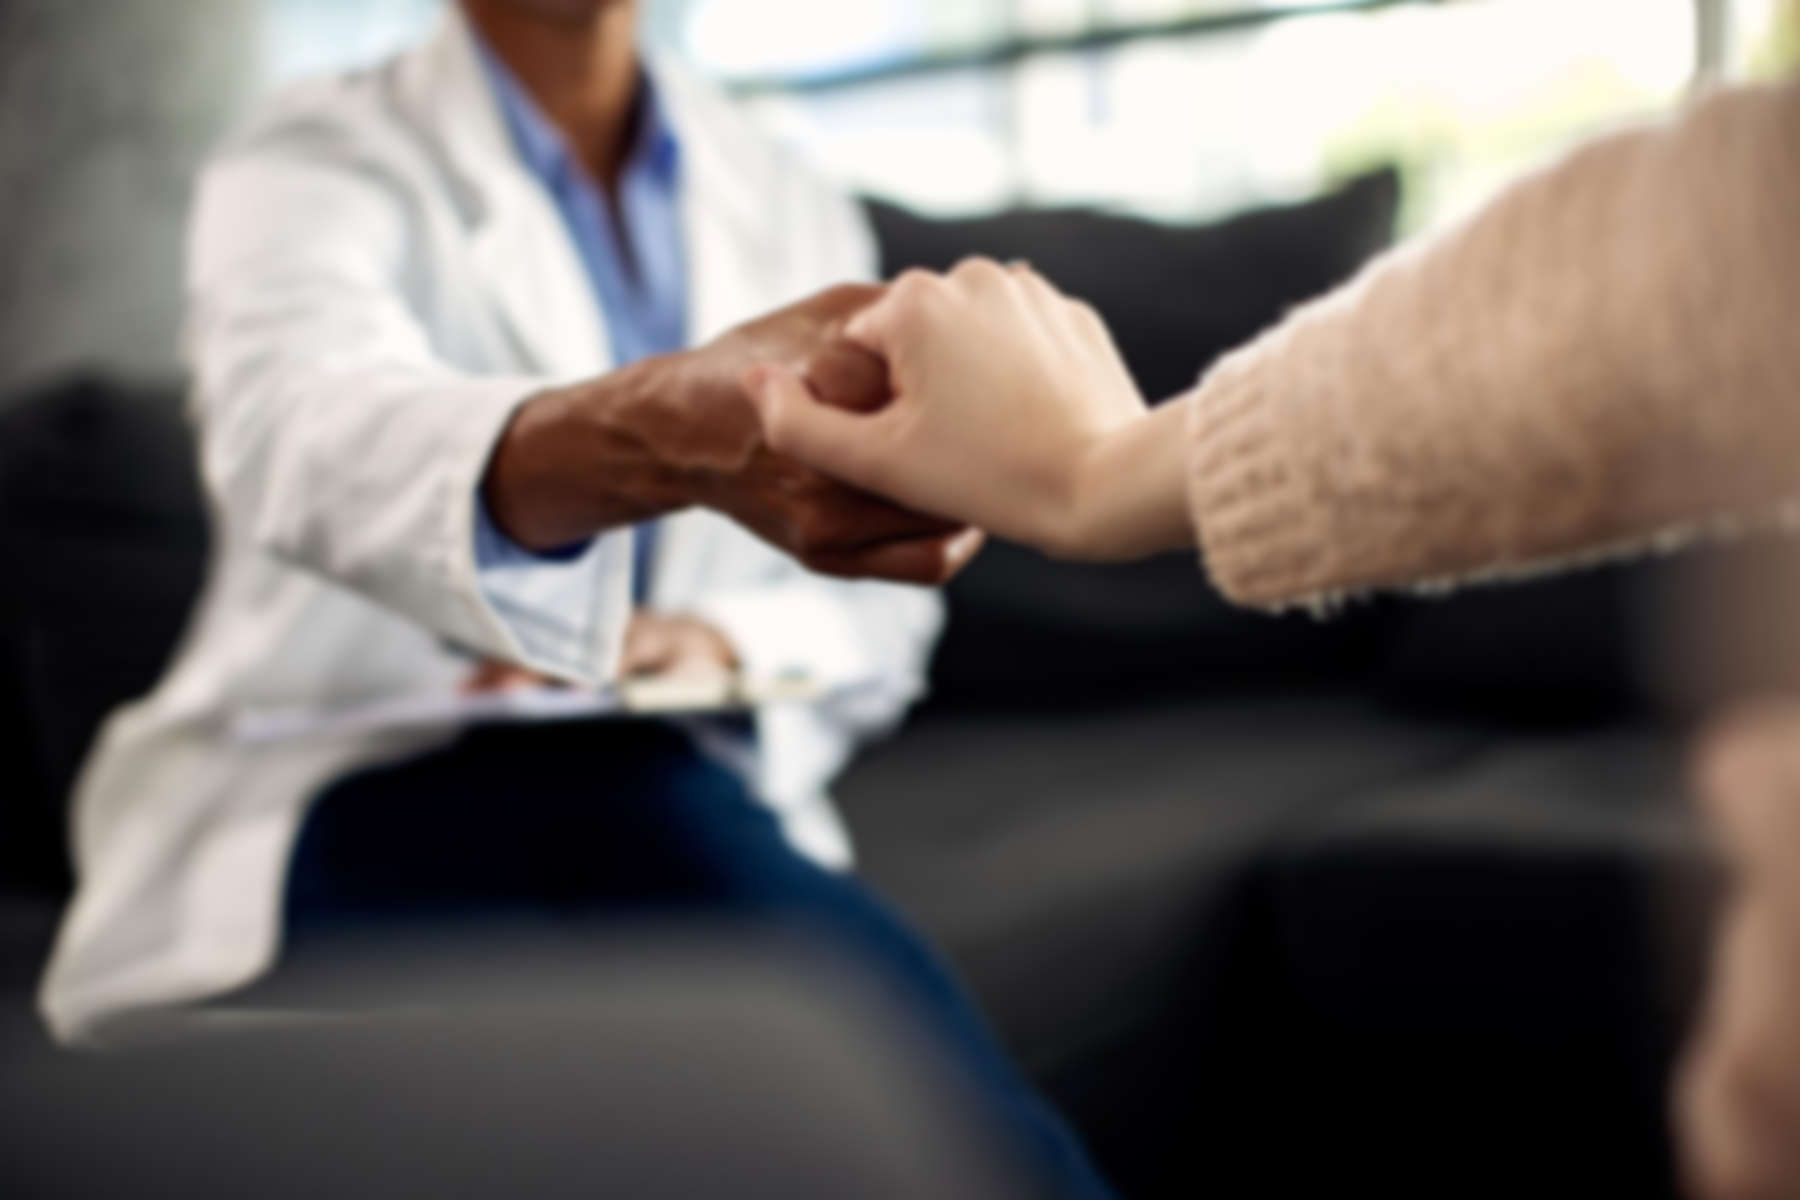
(1088, 320)
(982, 272)
(914, 297)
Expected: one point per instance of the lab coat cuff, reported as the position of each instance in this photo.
(562, 617)
(557, 610)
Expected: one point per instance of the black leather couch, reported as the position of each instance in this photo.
(1395, 904)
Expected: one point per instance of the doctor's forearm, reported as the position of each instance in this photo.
(580, 460)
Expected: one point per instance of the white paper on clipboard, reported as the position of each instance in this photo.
(668, 695)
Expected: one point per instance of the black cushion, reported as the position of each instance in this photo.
(103, 543)
(1092, 873)
(573, 1066)
(1443, 958)
(1564, 650)
(1484, 975)
(1027, 630)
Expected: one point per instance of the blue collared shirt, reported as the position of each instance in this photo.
(636, 264)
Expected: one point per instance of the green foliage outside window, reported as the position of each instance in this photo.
(1775, 52)
(1450, 158)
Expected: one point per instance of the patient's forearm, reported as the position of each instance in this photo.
(1603, 357)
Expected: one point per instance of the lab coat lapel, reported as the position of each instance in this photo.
(533, 271)
(520, 246)
(734, 264)
(734, 273)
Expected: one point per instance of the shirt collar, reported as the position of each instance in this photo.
(545, 151)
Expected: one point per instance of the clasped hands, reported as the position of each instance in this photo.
(869, 432)
(680, 431)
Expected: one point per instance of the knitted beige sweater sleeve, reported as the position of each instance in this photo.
(1606, 358)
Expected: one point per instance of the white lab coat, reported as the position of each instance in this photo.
(375, 283)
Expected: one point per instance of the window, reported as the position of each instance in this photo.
(308, 37)
(1178, 109)
(1214, 107)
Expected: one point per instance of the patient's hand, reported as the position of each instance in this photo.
(1004, 388)
(1739, 1101)
(679, 430)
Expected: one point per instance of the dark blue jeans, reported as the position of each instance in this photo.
(621, 817)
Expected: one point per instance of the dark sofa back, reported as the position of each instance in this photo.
(102, 549)
(1175, 296)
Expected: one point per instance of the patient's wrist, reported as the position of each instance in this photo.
(1129, 498)
(1062, 518)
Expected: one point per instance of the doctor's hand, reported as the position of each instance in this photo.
(1009, 400)
(677, 431)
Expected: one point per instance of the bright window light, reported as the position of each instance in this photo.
(1460, 96)
(311, 37)
(750, 38)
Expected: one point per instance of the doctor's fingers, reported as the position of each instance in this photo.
(856, 448)
(930, 562)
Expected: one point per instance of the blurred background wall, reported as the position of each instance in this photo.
(106, 109)
(1176, 109)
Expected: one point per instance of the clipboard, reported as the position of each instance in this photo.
(655, 696)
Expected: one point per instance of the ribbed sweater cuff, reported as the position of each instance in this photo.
(1255, 517)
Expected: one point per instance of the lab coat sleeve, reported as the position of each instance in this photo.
(335, 435)
(549, 602)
